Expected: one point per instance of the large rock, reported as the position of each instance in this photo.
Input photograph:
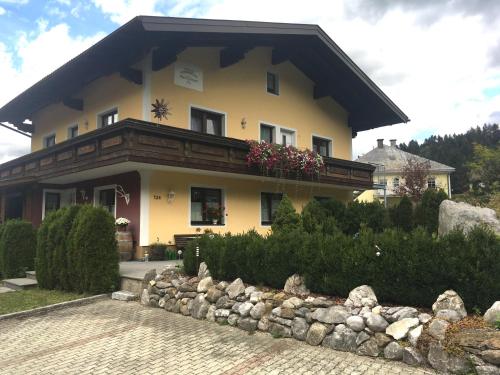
(211, 313)
(362, 296)
(204, 284)
(245, 308)
(414, 335)
(441, 360)
(331, 315)
(448, 315)
(376, 322)
(203, 271)
(199, 308)
(343, 338)
(369, 348)
(258, 310)
(393, 351)
(492, 315)
(464, 216)
(124, 295)
(399, 329)
(293, 303)
(450, 300)
(299, 328)
(145, 297)
(437, 328)
(235, 289)
(412, 356)
(278, 330)
(295, 285)
(213, 294)
(316, 333)
(356, 323)
(248, 324)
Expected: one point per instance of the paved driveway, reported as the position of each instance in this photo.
(110, 337)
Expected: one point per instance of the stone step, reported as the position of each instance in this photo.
(5, 290)
(124, 295)
(20, 283)
(31, 275)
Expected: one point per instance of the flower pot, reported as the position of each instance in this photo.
(214, 221)
(121, 228)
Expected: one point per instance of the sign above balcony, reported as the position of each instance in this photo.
(188, 75)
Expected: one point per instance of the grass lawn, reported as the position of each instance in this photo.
(31, 298)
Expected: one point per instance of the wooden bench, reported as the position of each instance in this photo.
(181, 240)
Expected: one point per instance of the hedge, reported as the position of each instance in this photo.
(17, 248)
(407, 268)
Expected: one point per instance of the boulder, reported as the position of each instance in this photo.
(295, 285)
(235, 289)
(405, 312)
(293, 303)
(362, 296)
(278, 330)
(263, 324)
(299, 328)
(491, 356)
(414, 334)
(124, 295)
(362, 337)
(424, 318)
(204, 284)
(222, 285)
(258, 310)
(343, 338)
(248, 324)
(492, 315)
(245, 308)
(448, 315)
(149, 276)
(393, 351)
(369, 348)
(376, 322)
(399, 329)
(211, 313)
(356, 323)
(249, 290)
(203, 271)
(450, 300)
(321, 302)
(316, 333)
(186, 287)
(437, 328)
(162, 284)
(256, 297)
(442, 361)
(382, 339)
(464, 216)
(199, 307)
(213, 294)
(331, 315)
(412, 356)
(233, 319)
(225, 303)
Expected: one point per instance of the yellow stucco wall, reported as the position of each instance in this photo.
(241, 200)
(238, 91)
(371, 195)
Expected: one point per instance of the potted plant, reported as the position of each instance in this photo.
(122, 224)
(214, 213)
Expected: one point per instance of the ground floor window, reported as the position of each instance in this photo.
(269, 203)
(105, 197)
(52, 202)
(431, 183)
(206, 206)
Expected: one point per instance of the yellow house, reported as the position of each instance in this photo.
(95, 138)
(389, 162)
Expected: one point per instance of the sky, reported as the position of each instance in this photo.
(438, 60)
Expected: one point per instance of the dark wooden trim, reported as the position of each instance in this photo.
(144, 142)
(279, 55)
(231, 55)
(164, 56)
(132, 75)
(76, 104)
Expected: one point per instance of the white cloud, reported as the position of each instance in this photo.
(15, 2)
(2, 11)
(121, 11)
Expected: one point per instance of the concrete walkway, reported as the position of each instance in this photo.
(137, 270)
(111, 337)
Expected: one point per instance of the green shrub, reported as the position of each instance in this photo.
(427, 212)
(17, 248)
(157, 251)
(286, 218)
(402, 214)
(1, 267)
(45, 252)
(93, 257)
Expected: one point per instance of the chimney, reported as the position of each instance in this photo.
(380, 143)
(393, 142)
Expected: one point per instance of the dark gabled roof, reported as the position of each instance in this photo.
(308, 47)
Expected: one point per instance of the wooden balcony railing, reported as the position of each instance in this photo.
(138, 141)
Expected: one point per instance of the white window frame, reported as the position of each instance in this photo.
(97, 189)
(435, 182)
(206, 109)
(277, 132)
(260, 205)
(46, 136)
(77, 126)
(100, 115)
(224, 203)
(330, 143)
(278, 79)
(394, 186)
(60, 192)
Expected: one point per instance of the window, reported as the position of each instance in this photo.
(266, 133)
(106, 198)
(321, 146)
(206, 206)
(206, 122)
(287, 137)
(49, 140)
(273, 83)
(268, 205)
(73, 131)
(431, 183)
(395, 182)
(109, 118)
(52, 202)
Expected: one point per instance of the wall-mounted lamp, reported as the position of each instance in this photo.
(243, 123)
(170, 196)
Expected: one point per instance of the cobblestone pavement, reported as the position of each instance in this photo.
(111, 337)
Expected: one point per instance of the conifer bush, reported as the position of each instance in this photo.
(17, 248)
(45, 253)
(402, 214)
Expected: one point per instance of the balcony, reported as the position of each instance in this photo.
(144, 142)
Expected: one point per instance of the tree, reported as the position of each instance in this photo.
(414, 177)
(286, 218)
(484, 168)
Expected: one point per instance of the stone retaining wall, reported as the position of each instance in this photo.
(359, 325)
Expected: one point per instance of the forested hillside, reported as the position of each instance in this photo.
(456, 150)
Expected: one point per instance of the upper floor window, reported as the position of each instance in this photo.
(207, 122)
(267, 133)
(108, 118)
(49, 140)
(269, 203)
(206, 206)
(395, 182)
(321, 146)
(273, 83)
(73, 131)
(287, 137)
(431, 183)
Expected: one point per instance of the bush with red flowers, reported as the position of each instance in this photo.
(270, 157)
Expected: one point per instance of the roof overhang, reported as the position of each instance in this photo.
(308, 47)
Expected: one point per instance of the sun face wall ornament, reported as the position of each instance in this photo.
(161, 110)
